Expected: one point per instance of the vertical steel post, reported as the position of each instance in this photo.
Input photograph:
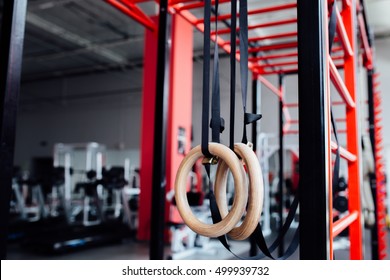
(281, 163)
(253, 245)
(373, 183)
(157, 228)
(11, 51)
(314, 146)
(348, 15)
(180, 103)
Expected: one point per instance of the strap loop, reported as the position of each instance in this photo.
(251, 118)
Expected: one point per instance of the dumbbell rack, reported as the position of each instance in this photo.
(316, 69)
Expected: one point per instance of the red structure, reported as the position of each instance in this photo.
(275, 54)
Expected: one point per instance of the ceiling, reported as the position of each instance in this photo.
(69, 37)
(74, 37)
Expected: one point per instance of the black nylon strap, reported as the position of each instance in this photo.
(332, 25)
(249, 118)
(233, 48)
(243, 34)
(206, 80)
(336, 168)
(332, 34)
(243, 19)
(258, 234)
(217, 123)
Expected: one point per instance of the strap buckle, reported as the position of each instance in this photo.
(210, 160)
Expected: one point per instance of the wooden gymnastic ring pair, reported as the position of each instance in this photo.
(256, 192)
(230, 219)
(241, 194)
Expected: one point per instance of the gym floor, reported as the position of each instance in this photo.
(134, 250)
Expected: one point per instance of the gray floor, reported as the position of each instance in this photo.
(133, 250)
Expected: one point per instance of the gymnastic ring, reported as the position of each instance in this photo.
(256, 192)
(233, 217)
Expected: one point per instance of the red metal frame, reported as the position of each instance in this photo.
(269, 61)
(147, 134)
(130, 8)
(353, 137)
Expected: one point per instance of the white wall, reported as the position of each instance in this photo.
(106, 108)
(100, 108)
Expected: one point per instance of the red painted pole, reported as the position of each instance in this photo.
(353, 136)
(147, 133)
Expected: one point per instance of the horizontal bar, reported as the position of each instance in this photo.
(285, 63)
(274, 36)
(289, 63)
(134, 12)
(339, 84)
(286, 54)
(261, 25)
(343, 34)
(343, 152)
(269, 37)
(273, 56)
(143, 1)
(272, 47)
(196, 5)
(256, 11)
(174, 2)
(343, 223)
(290, 132)
(279, 71)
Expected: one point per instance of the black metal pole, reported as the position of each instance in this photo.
(373, 181)
(366, 25)
(11, 51)
(313, 145)
(253, 245)
(156, 250)
(281, 163)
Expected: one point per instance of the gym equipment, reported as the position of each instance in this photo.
(241, 195)
(28, 201)
(185, 242)
(92, 206)
(130, 198)
(256, 192)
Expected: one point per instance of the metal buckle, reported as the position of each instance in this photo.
(213, 160)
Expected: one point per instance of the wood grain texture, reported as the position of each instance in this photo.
(256, 192)
(231, 219)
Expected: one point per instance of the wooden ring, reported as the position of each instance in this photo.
(233, 217)
(256, 192)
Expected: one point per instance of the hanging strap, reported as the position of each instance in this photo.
(258, 234)
(206, 81)
(248, 117)
(332, 34)
(233, 48)
(217, 123)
